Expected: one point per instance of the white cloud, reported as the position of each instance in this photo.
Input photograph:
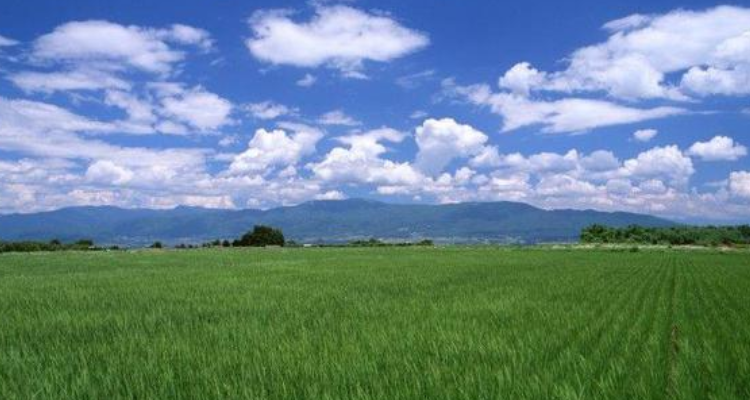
(269, 149)
(710, 49)
(630, 22)
(718, 81)
(139, 111)
(419, 114)
(653, 186)
(674, 56)
(600, 160)
(227, 141)
(109, 45)
(99, 55)
(330, 195)
(79, 79)
(560, 185)
(307, 80)
(515, 187)
(488, 157)
(67, 168)
(710, 45)
(442, 140)
(107, 172)
(544, 162)
(36, 116)
(411, 81)
(739, 184)
(199, 108)
(338, 117)
(553, 162)
(645, 135)
(718, 149)
(188, 35)
(339, 37)
(7, 42)
(521, 79)
(361, 162)
(557, 116)
(45, 130)
(266, 110)
(668, 162)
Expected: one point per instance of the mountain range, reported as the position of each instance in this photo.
(328, 221)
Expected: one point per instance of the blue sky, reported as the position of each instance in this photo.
(637, 106)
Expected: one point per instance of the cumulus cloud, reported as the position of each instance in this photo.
(675, 56)
(361, 161)
(521, 79)
(280, 167)
(600, 160)
(739, 184)
(560, 185)
(645, 135)
(48, 133)
(330, 195)
(442, 140)
(707, 48)
(197, 107)
(339, 37)
(718, 81)
(107, 172)
(65, 167)
(276, 148)
(720, 148)
(668, 162)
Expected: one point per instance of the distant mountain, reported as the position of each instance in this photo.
(319, 221)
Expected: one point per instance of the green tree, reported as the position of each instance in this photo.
(262, 235)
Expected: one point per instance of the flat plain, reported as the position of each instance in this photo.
(376, 323)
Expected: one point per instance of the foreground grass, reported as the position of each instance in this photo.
(452, 323)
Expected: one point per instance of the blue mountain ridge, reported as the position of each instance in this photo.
(327, 221)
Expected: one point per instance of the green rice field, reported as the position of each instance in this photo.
(376, 323)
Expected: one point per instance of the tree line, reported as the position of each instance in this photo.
(264, 236)
(676, 235)
(28, 246)
(259, 236)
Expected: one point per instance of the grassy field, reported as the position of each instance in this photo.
(407, 323)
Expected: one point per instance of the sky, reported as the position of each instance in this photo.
(618, 105)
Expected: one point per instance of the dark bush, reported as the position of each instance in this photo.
(261, 236)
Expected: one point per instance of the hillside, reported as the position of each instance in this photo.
(319, 221)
